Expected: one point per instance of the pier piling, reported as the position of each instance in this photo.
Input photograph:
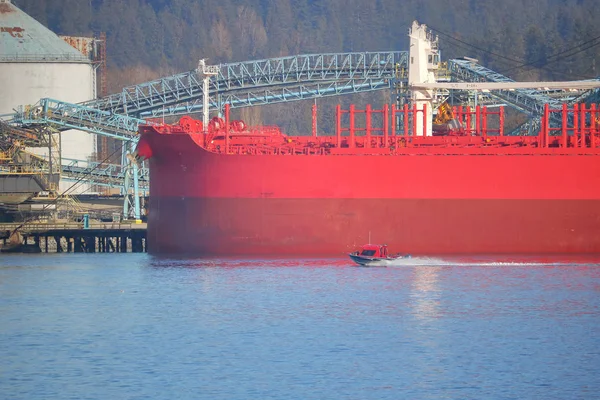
(75, 238)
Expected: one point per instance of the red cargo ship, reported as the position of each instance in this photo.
(233, 190)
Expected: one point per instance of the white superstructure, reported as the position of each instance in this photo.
(424, 59)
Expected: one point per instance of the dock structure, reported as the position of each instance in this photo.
(92, 237)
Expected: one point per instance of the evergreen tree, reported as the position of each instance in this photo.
(536, 39)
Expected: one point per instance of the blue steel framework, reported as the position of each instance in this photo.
(75, 116)
(250, 81)
(101, 174)
(128, 175)
(528, 101)
(239, 84)
(253, 83)
(247, 84)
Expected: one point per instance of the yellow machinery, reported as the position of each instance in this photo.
(444, 114)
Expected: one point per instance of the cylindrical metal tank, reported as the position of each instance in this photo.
(35, 63)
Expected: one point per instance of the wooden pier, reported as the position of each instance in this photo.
(92, 237)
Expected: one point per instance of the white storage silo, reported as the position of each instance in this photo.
(35, 63)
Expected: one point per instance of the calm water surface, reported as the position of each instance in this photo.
(131, 326)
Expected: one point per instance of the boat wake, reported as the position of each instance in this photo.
(425, 261)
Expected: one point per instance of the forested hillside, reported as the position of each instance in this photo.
(532, 39)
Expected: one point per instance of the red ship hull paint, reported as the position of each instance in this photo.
(223, 204)
(330, 227)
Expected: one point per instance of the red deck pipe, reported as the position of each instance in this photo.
(338, 125)
(540, 134)
(352, 115)
(565, 118)
(546, 126)
(314, 120)
(501, 127)
(394, 110)
(582, 125)
(576, 124)
(226, 128)
(386, 122)
(478, 120)
(405, 122)
(368, 112)
(593, 126)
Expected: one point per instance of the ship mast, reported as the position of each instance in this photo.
(206, 71)
(424, 57)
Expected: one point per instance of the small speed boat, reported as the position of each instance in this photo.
(371, 255)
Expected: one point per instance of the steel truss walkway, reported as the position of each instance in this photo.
(260, 82)
(528, 101)
(100, 174)
(257, 83)
(75, 116)
(239, 84)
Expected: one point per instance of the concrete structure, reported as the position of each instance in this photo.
(36, 63)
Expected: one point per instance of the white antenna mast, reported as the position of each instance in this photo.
(206, 71)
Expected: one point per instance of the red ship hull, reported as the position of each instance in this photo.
(327, 205)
